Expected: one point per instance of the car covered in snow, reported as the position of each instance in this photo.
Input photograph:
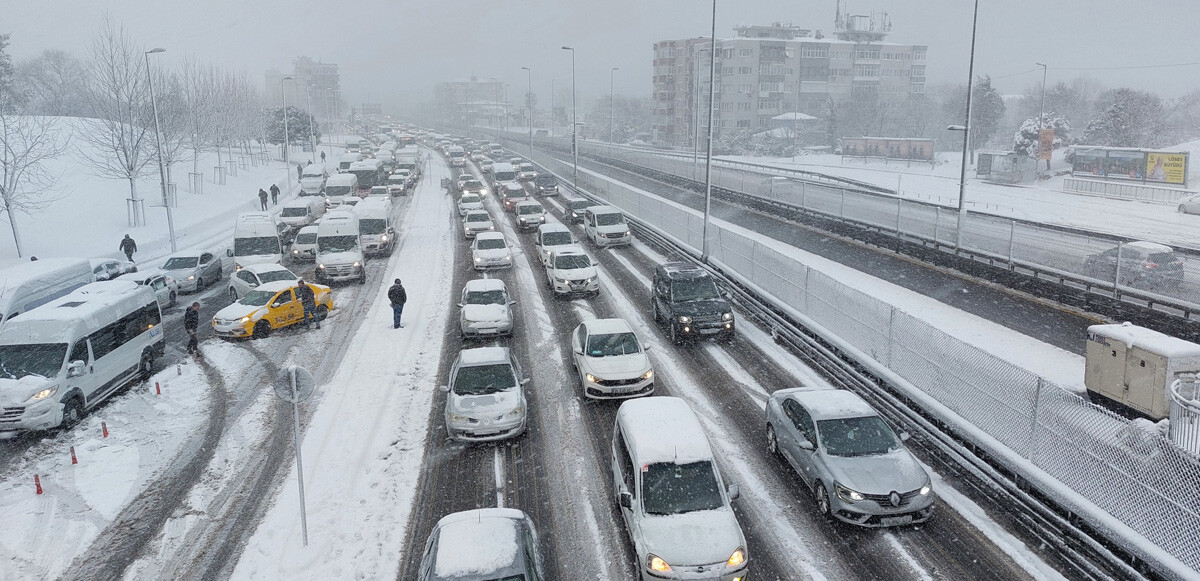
(529, 215)
(476, 222)
(490, 250)
(485, 399)
(485, 543)
(255, 275)
(269, 307)
(485, 309)
(610, 360)
(110, 268)
(166, 290)
(569, 271)
(469, 202)
(304, 246)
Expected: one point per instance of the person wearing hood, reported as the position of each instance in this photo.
(397, 296)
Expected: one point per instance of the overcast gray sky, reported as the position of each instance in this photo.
(396, 50)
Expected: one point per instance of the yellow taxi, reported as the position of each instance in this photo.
(268, 307)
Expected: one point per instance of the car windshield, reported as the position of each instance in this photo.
(545, 180)
(531, 209)
(484, 379)
(669, 488)
(274, 275)
(258, 245)
(306, 238)
(610, 219)
(572, 261)
(578, 204)
(372, 226)
(492, 297)
(556, 238)
(861, 436)
(337, 243)
(294, 212)
(257, 298)
(694, 289)
(490, 244)
(612, 344)
(479, 217)
(472, 184)
(181, 262)
(469, 199)
(379, 191)
(44, 359)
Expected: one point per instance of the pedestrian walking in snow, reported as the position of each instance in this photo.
(274, 195)
(128, 246)
(191, 322)
(262, 198)
(322, 157)
(309, 301)
(398, 297)
(299, 170)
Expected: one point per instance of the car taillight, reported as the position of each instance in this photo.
(1151, 265)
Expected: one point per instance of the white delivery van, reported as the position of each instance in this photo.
(339, 249)
(63, 358)
(457, 156)
(301, 212)
(255, 240)
(606, 226)
(312, 179)
(340, 187)
(375, 225)
(1135, 366)
(27, 285)
(502, 172)
(347, 159)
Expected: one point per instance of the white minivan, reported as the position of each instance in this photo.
(339, 249)
(606, 226)
(30, 284)
(312, 179)
(63, 358)
(671, 495)
(375, 225)
(340, 187)
(255, 240)
(302, 212)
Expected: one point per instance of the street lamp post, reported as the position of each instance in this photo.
(611, 74)
(287, 160)
(966, 129)
(312, 139)
(162, 172)
(529, 104)
(553, 80)
(574, 122)
(712, 87)
(1042, 116)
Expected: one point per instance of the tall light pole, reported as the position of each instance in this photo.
(966, 129)
(162, 172)
(529, 103)
(1042, 117)
(553, 80)
(712, 88)
(287, 160)
(312, 139)
(574, 123)
(611, 73)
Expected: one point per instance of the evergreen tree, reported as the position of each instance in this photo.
(298, 121)
(987, 110)
(1127, 118)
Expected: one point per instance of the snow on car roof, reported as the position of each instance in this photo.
(568, 249)
(608, 326)
(300, 203)
(1149, 247)
(826, 404)
(483, 542)
(1148, 339)
(528, 203)
(553, 227)
(264, 267)
(514, 187)
(489, 236)
(275, 286)
(663, 429)
(484, 284)
(483, 355)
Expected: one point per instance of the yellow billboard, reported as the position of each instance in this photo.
(1168, 168)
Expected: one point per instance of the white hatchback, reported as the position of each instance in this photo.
(304, 246)
(486, 309)
(469, 202)
(252, 276)
(610, 360)
(490, 250)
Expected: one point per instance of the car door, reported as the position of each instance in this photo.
(1105, 264)
(578, 340)
(282, 308)
(243, 282)
(206, 268)
(625, 479)
(803, 429)
(161, 292)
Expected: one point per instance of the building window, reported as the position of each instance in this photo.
(866, 70)
(770, 87)
(743, 123)
(726, 70)
(811, 51)
(743, 106)
(745, 70)
(919, 53)
(917, 71)
(743, 52)
(916, 88)
(866, 52)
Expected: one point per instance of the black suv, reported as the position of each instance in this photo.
(685, 296)
(545, 185)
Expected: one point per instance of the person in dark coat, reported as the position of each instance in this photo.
(299, 170)
(309, 301)
(262, 198)
(191, 322)
(322, 157)
(398, 297)
(274, 195)
(128, 246)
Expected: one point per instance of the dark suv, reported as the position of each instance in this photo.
(685, 296)
(1142, 264)
(545, 185)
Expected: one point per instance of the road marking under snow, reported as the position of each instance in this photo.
(499, 462)
(906, 556)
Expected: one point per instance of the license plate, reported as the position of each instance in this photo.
(710, 331)
(895, 520)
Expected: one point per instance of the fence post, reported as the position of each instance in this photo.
(891, 333)
(803, 197)
(1033, 428)
(1012, 234)
(1117, 270)
(807, 310)
(842, 204)
(899, 205)
(937, 221)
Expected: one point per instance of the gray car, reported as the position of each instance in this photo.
(485, 400)
(857, 469)
(482, 545)
(193, 271)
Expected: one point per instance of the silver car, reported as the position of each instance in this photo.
(486, 309)
(485, 400)
(858, 469)
(193, 271)
(1190, 204)
(488, 543)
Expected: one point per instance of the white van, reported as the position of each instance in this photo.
(606, 226)
(375, 225)
(457, 156)
(62, 359)
(673, 501)
(27, 285)
(339, 249)
(340, 187)
(346, 159)
(502, 172)
(302, 212)
(255, 240)
(312, 179)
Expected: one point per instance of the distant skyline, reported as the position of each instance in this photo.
(394, 54)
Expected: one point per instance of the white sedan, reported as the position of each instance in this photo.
(610, 360)
(490, 250)
(486, 309)
(569, 270)
(166, 290)
(255, 275)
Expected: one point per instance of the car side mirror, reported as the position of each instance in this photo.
(578, 350)
(626, 500)
(525, 381)
(511, 303)
(733, 491)
(460, 305)
(75, 368)
(806, 445)
(904, 436)
(444, 387)
(229, 252)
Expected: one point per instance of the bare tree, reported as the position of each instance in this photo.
(54, 84)
(121, 138)
(25, 143)
(172, 117)
(198, 84)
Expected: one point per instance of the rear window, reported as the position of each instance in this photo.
(556, 238)
(1162, 257)
(294, 212)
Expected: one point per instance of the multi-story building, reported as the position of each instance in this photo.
(769, 71)
(311, 80)
(468, 102)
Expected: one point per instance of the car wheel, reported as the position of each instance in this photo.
(233, 296)
(362, 279)
(772, 441)
(821, 495)
(262, 330)
(146, 366)
(73, 412)
(1182, 209)
(199, 284)
(322, 312)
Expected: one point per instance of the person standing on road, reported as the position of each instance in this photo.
(398, 297)
(262, 198)
(191, 322)
(299, 170)
(274, 195)
(309, 302)
(322, 157)
(128, 246)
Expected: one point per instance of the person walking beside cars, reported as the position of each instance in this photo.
(191, 322)
(309, 302)
(262, 198)
(128, 246)
(398, 297)
(274, 195)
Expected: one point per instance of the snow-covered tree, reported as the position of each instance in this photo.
(8, 81)
(1027, 138)
(987, 111)
(26, 142)
(53, 83)
(1127, 118)
(298, 122)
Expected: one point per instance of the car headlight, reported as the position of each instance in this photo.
(491, 227)
(591, 378)
(589, 280)
(192, 277)
(507, 257)
(245, 319)
(727, 317)
(560, 280)
(478, 259)
(737, 558)
(294, 251)
(383, 238)
(43, 394)
(357, 264)
(847, 494)
(457, 418)
(685, 319)
(655, 563)
(926, 489)
(648, 374)
(516, 413)
(321, 266)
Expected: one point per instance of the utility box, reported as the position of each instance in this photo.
(1134, 367)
